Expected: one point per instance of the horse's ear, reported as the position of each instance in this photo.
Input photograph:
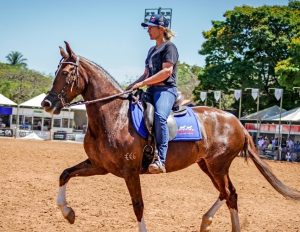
(69, 50)
(63, 53)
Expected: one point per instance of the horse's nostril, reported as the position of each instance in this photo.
(46, 103)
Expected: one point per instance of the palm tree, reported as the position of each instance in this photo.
(16, 58)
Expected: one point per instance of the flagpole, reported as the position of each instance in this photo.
(240, 98)
(280, 111)
(280, 136)
(257, 109)
(240, 105)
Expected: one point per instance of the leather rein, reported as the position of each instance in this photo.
(71, 81)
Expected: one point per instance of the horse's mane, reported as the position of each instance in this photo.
(106, 73)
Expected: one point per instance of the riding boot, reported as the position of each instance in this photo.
(156, 166)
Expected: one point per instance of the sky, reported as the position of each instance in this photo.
(106, 32)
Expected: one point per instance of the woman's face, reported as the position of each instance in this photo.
(155, 32)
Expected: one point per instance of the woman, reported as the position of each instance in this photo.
(160, 77)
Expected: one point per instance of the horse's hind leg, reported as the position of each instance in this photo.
(231, 202)
(220, 178)
(208, 216)
(84, 168)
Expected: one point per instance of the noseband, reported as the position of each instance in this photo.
(69, 81)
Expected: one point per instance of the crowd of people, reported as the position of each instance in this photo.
(270, 147)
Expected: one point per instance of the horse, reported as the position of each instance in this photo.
(113, 146)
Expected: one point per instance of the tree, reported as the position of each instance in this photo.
(243, 50)
(16, 58)
(20, 84)
(187, 79)
(288, 70)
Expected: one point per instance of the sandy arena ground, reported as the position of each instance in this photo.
(174, 202)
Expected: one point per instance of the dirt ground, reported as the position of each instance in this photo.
(174, 202)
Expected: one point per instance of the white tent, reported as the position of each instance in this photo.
(291, 116)
(5, 101)
(264, 114)
(78, 107)
(34, 102)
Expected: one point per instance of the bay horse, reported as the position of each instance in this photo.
(113, 146)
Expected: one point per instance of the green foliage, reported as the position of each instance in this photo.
(243, 50)
(187, 79)
(288, 70)
(20, 84)
(16, 58)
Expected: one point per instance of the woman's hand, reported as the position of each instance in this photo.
(138, 85)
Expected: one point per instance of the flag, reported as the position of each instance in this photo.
(217, 95)
(203, 96)
(237, 94)
(278, 93)
(255, 93)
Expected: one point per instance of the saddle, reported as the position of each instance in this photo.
(148, 112)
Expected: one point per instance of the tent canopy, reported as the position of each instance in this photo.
(264, 114)
(291, 115)
(78, 107)
(34, 102)
(5, 101)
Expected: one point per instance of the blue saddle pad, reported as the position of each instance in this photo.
(188, 127)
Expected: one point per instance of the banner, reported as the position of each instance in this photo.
(237, 94)
(255, 93)
(6, 132)
(203, 96)
(217, 95)
(5, 110)
(278, 93)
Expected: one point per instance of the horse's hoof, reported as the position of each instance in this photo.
(71, 216)
(205, 225)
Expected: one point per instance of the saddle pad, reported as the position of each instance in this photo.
(188, 127)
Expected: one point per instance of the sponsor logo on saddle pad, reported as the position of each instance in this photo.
(185, 130)
(188, 127)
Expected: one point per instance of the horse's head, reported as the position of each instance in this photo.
(67, 83)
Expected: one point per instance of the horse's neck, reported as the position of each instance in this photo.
(110, 116)
(99, 83)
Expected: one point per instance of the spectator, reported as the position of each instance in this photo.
(290, 145)
(261, 142)
(288, 156)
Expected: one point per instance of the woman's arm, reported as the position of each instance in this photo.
(140, 79)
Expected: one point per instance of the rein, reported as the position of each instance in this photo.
(74, 78)
(97, 100)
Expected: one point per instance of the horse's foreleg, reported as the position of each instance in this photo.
(134, 188)
(82, 169)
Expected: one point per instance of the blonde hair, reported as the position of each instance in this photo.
(168, 34)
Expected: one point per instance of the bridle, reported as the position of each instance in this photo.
(71, 81)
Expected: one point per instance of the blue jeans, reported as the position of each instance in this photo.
(163, 99)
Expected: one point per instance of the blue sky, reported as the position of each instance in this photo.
(106, 32)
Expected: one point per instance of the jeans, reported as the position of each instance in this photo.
(163, 99)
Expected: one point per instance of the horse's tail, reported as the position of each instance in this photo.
(265, 170)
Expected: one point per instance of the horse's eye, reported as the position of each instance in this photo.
(65, 73)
